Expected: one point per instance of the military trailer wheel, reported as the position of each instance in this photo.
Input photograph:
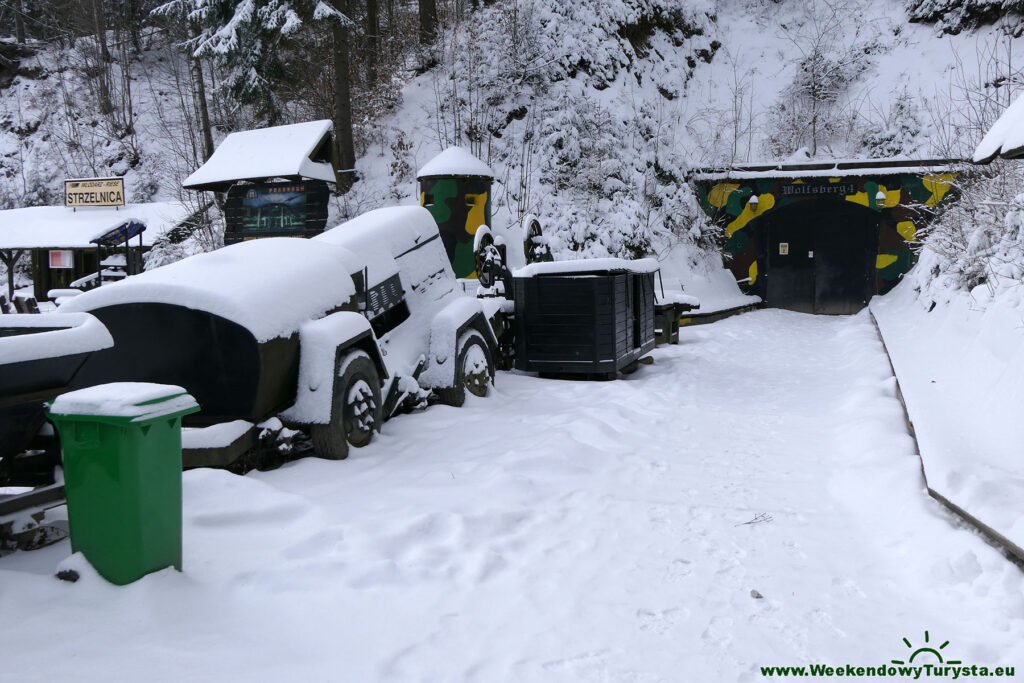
(355, 409)
(474, 370)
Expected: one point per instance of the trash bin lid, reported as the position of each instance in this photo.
(125, 401)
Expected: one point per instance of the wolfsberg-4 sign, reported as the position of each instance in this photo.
(94, 192)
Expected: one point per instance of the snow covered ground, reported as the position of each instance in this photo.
(961, 370)
(563, 531)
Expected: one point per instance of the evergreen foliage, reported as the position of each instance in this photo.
(954, 16)
(251, 42)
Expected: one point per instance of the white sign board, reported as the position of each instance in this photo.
(62, 258)
(94, 192)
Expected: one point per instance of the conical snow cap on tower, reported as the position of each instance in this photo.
(455, 162)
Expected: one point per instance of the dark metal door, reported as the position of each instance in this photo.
(789, 276)
(819, 257)
(844, 244)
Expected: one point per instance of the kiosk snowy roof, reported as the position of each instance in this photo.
(59, 227)
(299, 150)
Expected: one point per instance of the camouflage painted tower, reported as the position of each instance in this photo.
(455, 187)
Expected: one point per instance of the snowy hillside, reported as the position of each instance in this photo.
(592, 113)
(601, 154)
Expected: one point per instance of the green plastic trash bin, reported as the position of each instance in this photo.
(121, 444)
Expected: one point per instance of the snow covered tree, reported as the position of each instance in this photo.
(249, 41)
(897, 133)
(254, 42)
(809, 112)
(979, 239)
(340, 28)
(19, 21)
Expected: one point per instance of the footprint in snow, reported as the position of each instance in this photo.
(964, 569)
(661, 621)
(658, 516)
(423, 534)
(680, 568)
(490, 566)
(718, 632)
(848, 586)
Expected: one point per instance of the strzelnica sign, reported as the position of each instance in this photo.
(94, 192)
(925, 661)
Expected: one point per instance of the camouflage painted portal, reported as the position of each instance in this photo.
(910, 200)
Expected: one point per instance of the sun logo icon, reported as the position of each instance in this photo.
(926, 649)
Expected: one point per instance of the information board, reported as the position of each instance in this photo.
(94, 192)
(288, 209)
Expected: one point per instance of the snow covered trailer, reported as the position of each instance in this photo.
(429, 330)
(225, 326)
(332, 334)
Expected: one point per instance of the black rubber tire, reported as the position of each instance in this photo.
(465, 379)
(349, 425)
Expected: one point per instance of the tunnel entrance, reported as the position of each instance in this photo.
(819, 256)
(823, 236)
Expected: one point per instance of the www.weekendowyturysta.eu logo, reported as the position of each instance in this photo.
(926, 650)
(928, 660)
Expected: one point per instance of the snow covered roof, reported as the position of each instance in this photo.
(269, 286)
(59, 227)
(455, 161)
(826, 169)
(1005, 138)
(293, 151)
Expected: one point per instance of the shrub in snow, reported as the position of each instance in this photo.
(810, 111)
(978, 240)
(204, 231)
(896, 132)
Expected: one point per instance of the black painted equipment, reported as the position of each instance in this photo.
(594, 323)
(63, 348)
(230, 373)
